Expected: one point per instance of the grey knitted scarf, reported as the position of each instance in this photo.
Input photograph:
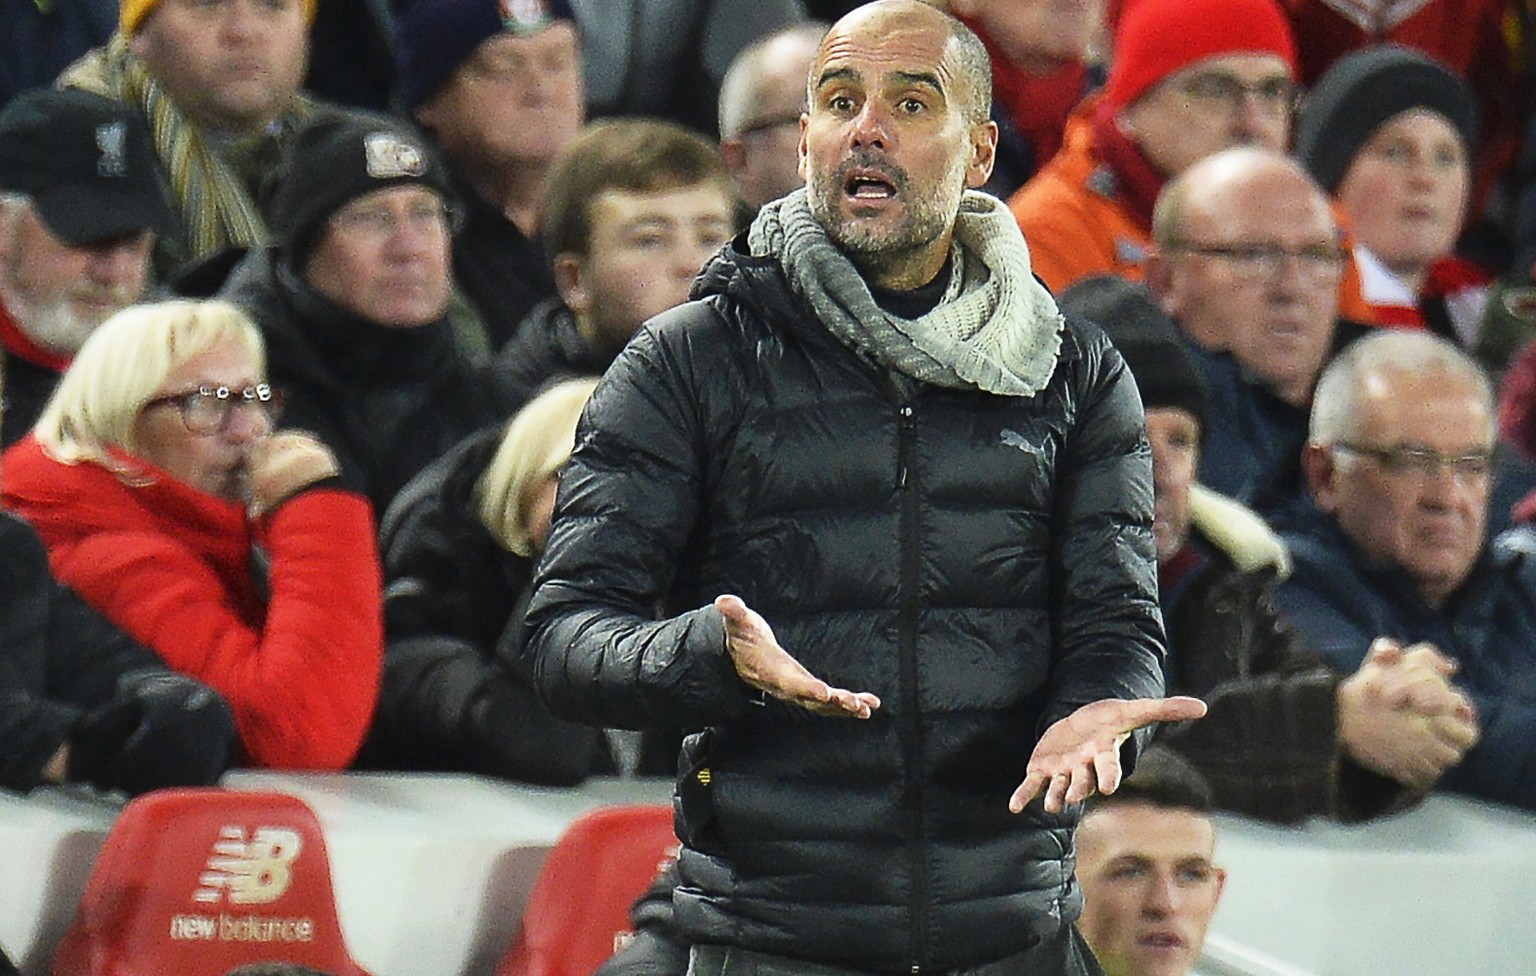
(996, 329)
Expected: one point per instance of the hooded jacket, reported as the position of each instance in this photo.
(983, 563)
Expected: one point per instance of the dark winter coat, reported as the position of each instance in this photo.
(1269, 743)
(387, 401)
(1340, 600)
(983, 563)
(448, 701)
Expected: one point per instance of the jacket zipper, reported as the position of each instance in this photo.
(911, 572)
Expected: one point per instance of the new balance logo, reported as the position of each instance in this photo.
(251, 871)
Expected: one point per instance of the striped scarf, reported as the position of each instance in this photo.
(217, 211)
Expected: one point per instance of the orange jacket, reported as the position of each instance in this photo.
(1073, 221)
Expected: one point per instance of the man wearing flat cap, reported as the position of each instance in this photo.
(218, 82)
(497, 84)
(353, 301)
(80, 207)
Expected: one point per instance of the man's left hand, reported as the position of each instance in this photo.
(1080, 754)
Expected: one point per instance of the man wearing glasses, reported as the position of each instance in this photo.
(1247, 262)
(353, 302)
(1188, 79)
(1399, 461)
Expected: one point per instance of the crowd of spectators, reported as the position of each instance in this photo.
(298, 317)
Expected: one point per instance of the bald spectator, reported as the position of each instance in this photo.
(218, 83)
(80, 205)
(1247, 262)
(498, 87)
(1043, 65)
(1188, 78)
(761, 101)
(1395, 559)
(667, 58)
(1286, 737)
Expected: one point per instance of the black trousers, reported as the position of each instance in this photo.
(1064, 955)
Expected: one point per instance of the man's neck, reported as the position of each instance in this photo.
(516, 192)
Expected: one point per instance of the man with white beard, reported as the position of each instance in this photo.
(80, 205)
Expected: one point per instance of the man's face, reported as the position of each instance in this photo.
(1406, 190)
(59, 293)
(231, 65)
(1426, 519)
(1215, 104)
(764, 156)
(886, 150)
(1036, 35)
(1149, 887)
(213, 462)
(645, 251)
(1174, 434)
(516, 102)
(385, 256)
(1257, 272)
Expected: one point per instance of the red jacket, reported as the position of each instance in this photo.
(172, 566)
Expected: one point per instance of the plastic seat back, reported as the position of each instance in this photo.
(195, 882)
(580, 903)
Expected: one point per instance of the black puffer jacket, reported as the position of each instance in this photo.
(387, 401)
(984, 564)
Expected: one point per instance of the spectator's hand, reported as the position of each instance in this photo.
(766, 666)
(1400, 716)
(1080, 754)
(284, 464)
(161, 729)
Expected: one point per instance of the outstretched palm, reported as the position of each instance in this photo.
(1080, 754)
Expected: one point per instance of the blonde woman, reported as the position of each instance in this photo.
(169, 501)
(459, 545)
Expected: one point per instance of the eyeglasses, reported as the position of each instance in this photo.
(382, 222)
(1422, 464)
(210, 409)
(768, 124)
(1264, 260)
(1275, 96)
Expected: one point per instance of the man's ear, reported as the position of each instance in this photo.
(571, 282)
(1157, 272)
(1320, 470)
(733, 153)
(983, 140)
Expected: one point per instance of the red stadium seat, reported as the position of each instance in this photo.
(580, 904)
(195, 882)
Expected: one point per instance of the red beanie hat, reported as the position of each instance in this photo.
(1156, 38)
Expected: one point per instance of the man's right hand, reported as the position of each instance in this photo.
(766, 666)
(1400, 716)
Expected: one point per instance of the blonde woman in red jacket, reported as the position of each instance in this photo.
(167, 499)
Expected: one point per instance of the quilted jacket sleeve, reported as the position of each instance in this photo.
(628, 503)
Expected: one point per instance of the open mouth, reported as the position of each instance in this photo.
(869, 188)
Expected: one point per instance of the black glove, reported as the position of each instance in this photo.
(160, 729)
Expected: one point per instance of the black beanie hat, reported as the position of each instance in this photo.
(1147, 339)
(1366, 88)
(337, 158)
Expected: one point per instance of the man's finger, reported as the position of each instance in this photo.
(1027, 791)
(1144, 711)
(1106, 771)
